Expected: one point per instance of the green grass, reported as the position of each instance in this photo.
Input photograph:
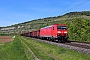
(59, 52)
(28, 53)
(13, 51)
(40, 54)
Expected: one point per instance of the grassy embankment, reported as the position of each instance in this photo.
(58, 52)
(14, 50)
(40, 54)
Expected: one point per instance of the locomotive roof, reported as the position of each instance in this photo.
(54, 24)
(60, 24)
(46, 27)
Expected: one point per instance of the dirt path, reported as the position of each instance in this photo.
(35, 58)
(6, 39)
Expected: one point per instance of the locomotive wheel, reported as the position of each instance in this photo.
(49, 39)
(59, 40)
(52, 39)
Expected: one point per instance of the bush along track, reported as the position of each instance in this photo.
(13, 51)
(56, 51)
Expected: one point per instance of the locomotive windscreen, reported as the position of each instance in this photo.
(61, 27)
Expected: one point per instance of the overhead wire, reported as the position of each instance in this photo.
(65, 7)
(75, 6)
(51, 7)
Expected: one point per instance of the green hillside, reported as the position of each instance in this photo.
(78, 24)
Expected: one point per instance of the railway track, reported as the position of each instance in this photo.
(77, 46)
(81, 43)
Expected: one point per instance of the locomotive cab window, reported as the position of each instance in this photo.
(52, 28)
(61, 28)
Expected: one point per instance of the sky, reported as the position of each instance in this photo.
(19, 11)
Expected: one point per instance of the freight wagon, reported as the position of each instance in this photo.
(35, 34)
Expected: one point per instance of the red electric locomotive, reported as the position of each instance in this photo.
(55, 32)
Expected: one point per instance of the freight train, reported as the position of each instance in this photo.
(55, 32)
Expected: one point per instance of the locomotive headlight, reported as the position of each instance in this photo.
(59, 32)
(65, 32)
